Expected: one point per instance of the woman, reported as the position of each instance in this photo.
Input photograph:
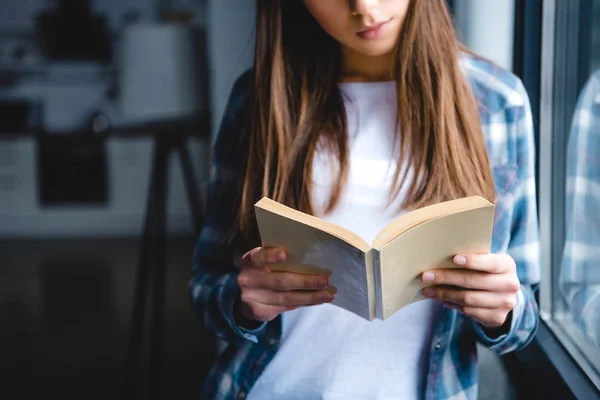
(356, 111)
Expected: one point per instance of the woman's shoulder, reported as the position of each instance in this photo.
(232, 133)
(495, 88)
(241, 92)
(238, 102)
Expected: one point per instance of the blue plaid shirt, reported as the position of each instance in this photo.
(453, 371)
(580, 273)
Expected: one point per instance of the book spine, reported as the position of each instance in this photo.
(376, 254)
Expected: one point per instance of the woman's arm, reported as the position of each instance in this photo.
(213, 288)
(524, 245)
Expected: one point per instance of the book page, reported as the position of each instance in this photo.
(350, 237)
(414, 218)
(312, 251)
(431, 245)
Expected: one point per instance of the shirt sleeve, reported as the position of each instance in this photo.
(213, 287)
(524, 244)
(580, 272)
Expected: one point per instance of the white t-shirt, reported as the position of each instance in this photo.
(327, 352)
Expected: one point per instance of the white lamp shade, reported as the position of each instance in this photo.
(159, 73)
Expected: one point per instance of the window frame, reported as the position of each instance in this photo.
(546, 368)
(557, 105)
(527, 59)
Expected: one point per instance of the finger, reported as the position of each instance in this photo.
(284, 281)
(286, 299)
(261, 256)
(472, 298)
(262, 312)
(469, 279)
(491, 263)
(252, 278)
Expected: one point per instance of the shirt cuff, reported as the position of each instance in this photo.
(500, 340)
(227, 294)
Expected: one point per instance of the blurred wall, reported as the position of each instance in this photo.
(230, 25)
(487, 27)
(70, 92)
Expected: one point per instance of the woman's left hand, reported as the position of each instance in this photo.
(484, 287)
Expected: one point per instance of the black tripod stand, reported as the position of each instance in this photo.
(152, 261)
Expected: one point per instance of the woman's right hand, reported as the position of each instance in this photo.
(265, 294)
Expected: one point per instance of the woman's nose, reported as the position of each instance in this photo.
(363, 7)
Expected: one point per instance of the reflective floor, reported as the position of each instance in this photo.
(65, 311)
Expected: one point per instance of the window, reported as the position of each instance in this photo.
(569, 178)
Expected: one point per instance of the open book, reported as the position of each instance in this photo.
(375, 280)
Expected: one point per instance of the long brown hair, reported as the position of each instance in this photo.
(297, 103)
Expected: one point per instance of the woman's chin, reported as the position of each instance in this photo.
(373, 48)
(374, 52)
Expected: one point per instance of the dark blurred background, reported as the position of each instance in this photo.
(108, 109)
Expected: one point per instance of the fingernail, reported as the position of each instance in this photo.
(428, 292)
(428, 277)
(460, 260)
(322, 283)
(246, 256)
(280, 256)
(326, 297)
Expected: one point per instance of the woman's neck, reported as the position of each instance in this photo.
(363, 68)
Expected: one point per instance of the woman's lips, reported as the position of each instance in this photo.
(374, 31)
